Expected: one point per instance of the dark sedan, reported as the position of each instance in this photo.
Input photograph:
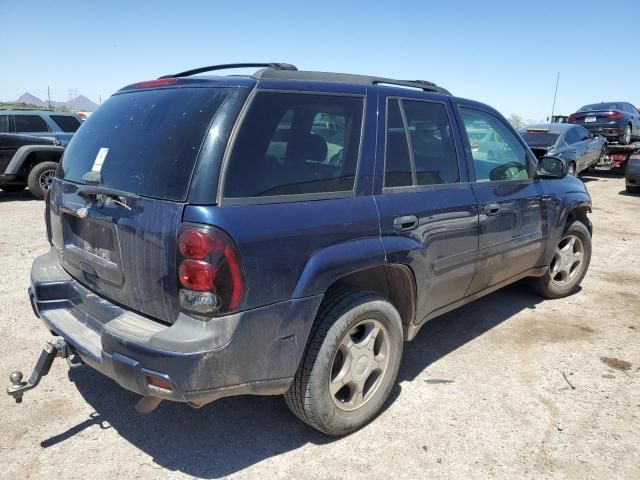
(578, 147)
(617, 121)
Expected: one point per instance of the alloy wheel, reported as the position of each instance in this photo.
(46, 179)
(627, 135)
(567, 260)
(359, 364)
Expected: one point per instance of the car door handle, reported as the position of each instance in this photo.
(403, 224)
(491, 209)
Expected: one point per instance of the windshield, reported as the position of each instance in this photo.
(143, 142)
(540, 139)
(601, 106)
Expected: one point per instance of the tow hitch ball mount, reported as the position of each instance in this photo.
(59, 348)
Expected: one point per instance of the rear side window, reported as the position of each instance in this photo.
(4, 123)
(144, 142)
(397, 164)
(434, 150)
(572, 136)
(292, 144)
(30, 123)
(428, 150)
(67, 123)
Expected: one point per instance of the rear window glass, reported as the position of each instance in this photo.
(4, 123)
(540, 139)
(144, 142)
(601, 106)
(292, 144)
(30, 123)
(67, 123)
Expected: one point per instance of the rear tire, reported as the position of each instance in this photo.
(625, 138)
(348, 369)
(564, 274)
(40, 178)
(13, 188)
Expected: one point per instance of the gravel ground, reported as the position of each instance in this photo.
(481, 391)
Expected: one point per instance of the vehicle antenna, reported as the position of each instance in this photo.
(554, 97)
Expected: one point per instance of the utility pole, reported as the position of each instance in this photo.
(554, 98)
(49, 97)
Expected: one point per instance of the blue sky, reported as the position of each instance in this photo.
(504, 53)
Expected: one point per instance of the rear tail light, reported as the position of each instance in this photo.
(617, 157)
(209, 271)
(614, 115)
(572, 118)
(47, 215)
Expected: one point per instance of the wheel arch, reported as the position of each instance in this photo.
(360, 264)
(28, 156)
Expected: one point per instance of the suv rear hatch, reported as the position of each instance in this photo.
(117, 206)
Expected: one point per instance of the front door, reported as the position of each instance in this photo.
(428, 213)
(512, 230)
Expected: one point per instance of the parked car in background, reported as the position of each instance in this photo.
(28, 161)
(190, 264)
(617, 121)
(632, 173)
(40, 123)
(577, 147)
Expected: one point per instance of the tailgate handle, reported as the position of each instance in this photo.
(403, 224)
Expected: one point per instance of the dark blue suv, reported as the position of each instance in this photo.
(285, 232)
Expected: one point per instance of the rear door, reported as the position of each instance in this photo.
(511, 220)
(144, 144)
(591, 147)
(428, 212)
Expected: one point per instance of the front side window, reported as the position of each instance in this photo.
(583, 134)
(497, 153)
(292, 144)
(30, 124)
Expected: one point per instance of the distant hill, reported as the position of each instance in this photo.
(80, 103)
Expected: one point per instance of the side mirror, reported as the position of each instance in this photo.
(551, 167)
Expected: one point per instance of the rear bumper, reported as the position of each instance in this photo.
(632, 179)
(253, 352)
(609, 131)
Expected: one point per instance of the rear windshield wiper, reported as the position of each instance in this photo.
(87, 190)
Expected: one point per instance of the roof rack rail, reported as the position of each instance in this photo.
(211, 68)
(35, 108)
(268, 73)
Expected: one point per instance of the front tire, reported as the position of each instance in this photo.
(569, 264)
(571, 169)
(40, 178)
(633, 190)
(350, 365)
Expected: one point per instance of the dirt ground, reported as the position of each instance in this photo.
(508, 387)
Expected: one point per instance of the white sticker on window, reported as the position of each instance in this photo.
(97, 164)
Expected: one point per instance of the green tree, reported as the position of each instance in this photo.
(516, 121)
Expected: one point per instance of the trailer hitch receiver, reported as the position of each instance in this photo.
(49, 353)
